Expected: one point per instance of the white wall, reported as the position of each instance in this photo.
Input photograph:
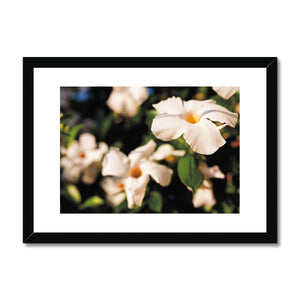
(156, 28)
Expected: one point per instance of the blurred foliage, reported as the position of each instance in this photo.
(156, 201)
(72, 193)
(91, 202)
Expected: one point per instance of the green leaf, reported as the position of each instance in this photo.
(121, 207)
(230, 188)
(182, 93)
(66, 118)
(180, 144)
(117, 144)
(136, 208)
(207, 208)
(189, 173)
(202, 89)
(73, 133)
(155, 201)
(228, 208)
(72, 193)
(64, 133)
(104, 123)
(136, 119)
(91, 202)
(150, 115)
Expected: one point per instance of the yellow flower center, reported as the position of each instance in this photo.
(121, 186)
(192, 118)
(82, 155)
(170, 159)
(136, 172)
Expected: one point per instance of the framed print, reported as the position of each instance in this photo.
(150, 150)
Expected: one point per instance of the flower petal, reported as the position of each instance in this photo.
(203, 137)
(141, 152)
(114, 188)
(66, 162)
(162, 151)
(87, 141)
(112, 185)
(116, 99)
(115, 200)
(91, 172)
(219, 113)
(103, 147)
(139, 94)
(115, 163)
(225, 92)
(196, 105)
(160, 173)
(121, 102)
(126, 100)
(211, 172)
(72, 174)
(63, 150)
(135, 189)
(129, 108)
(168, 127)
(92, 156)
(204, 195)
(172, 106)
(73, 150)
(166, 150)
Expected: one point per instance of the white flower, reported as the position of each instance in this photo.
(126, 100)
(193, 119)
(82, 158)
(135, 171)
(226, 92)
(114, 188)
(211, 172)
(167, 152)
(205, 195)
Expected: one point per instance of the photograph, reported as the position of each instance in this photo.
(149, 149)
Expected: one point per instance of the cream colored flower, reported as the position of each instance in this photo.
(114, 188)
(193, 119)
(205, 195)
(126, 100)
(168, 153)
(135, 171)
(82, 159)
(226, 92)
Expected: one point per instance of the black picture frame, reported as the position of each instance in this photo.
(30, 63)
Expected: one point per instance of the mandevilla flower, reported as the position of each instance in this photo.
(82, 158)
(134, 171)
(114, 189)
(126, 100)
(205, 195)
(193, 119)
(226, 92)
(168, 153)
